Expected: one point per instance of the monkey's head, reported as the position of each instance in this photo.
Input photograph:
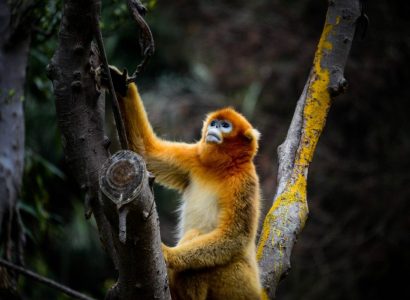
(227, 131)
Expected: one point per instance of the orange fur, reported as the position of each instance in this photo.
(215, 257)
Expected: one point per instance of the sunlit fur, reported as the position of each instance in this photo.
(215, 256)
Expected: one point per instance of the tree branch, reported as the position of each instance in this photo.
(51, 283)
(146, 40)
(289, 211)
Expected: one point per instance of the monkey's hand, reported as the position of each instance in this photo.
(119, 79)
(169, 253)
(173, 259)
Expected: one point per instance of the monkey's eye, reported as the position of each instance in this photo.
(213, 123)
(226, 126)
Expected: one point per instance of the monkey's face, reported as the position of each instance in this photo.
(216, 131)
(230, 133)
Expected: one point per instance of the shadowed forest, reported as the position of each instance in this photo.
(254, 56)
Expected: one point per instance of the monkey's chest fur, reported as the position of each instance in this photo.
(199, 209)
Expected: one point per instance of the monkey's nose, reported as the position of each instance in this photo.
(213, 136)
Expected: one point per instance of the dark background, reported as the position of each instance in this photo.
(254, 55)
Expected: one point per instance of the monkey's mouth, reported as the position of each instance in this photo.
(212, 137)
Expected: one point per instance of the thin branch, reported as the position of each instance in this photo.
(146, 40)
(51, 283)
(115, 106)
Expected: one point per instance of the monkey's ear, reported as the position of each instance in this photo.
(252, 134)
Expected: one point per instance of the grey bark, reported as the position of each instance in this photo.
(14, 47)
(80, 114)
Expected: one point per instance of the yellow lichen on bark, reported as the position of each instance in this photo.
(314, 114)
(264, 296)
(316, 106)
(295, 192)
(315, 110)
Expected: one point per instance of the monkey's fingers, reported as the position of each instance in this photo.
(119, 79)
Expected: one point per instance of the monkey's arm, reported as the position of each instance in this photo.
(191, 234)
(168, 161)
(234, 234)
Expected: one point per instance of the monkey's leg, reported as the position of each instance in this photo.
(236, 280)
(190, 285)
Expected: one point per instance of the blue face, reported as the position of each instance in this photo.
(216, 129)
(224, 125)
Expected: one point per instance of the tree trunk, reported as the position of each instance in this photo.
(80, 114)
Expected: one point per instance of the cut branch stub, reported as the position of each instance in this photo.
(125, 180)
(122, 177)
